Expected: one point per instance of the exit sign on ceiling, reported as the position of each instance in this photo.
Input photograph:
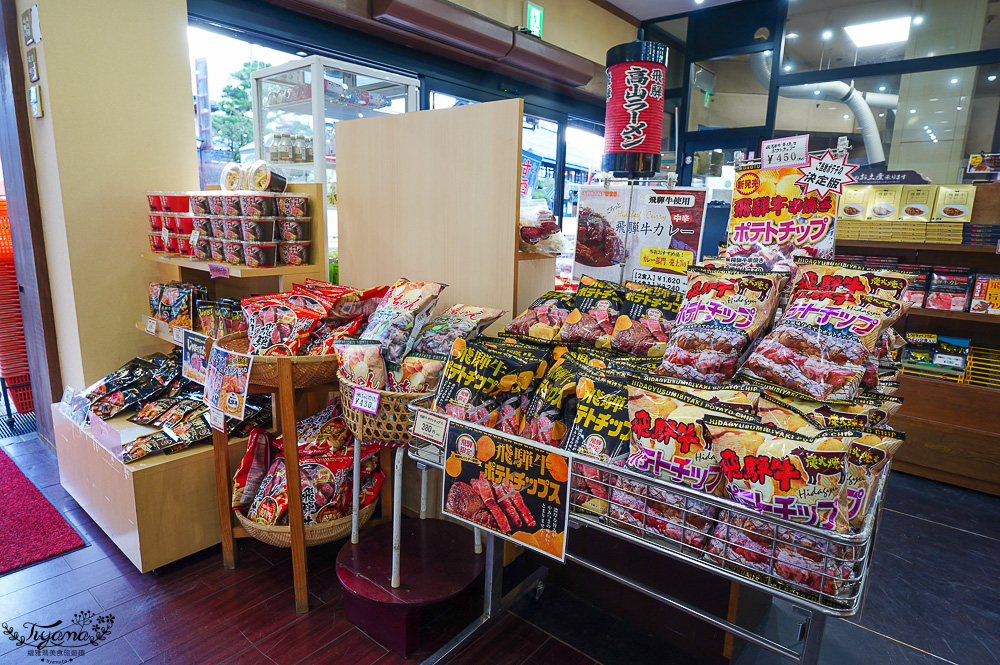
(533, 15)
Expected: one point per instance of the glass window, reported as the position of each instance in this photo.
(439, 100)
(539, 138)
(220, 71)
(725, 93)
(928, 122)
(824, 35)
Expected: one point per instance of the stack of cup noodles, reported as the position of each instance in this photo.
(255, 228)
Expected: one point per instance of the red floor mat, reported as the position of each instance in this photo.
(31, 529)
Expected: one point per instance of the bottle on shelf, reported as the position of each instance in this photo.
(309, 149)
(284, 148)
(299, 148)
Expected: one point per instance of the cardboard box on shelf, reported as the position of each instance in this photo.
(883, 203)
(917, 202)
(954, 203)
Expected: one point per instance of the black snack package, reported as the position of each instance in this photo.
(595, 312)
(645, 321)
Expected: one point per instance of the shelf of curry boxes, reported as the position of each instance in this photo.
(949, 233)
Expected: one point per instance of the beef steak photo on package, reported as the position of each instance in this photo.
(597, 244)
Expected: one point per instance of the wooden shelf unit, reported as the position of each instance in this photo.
(952, 429)
(234, 270)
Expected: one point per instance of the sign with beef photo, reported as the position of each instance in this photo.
(665, 238)
(509, 486)
(227, 382)
(602, 224)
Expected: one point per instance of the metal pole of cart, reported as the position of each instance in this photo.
(397, 514)
(356, 490)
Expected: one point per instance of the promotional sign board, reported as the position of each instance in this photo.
(227, 382)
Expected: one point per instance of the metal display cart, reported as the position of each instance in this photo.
(820, 573)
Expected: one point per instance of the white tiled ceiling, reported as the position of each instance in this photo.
(647, 9)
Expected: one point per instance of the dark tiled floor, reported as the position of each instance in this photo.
(932, 599)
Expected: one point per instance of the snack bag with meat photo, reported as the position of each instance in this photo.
(772, 223)
(830, 275)
(553, 405)
(400, 315)
(668, 439)
(867, 460)
(775, 411)
(600, 426)
(722, 313)
(600, 232)
(742, 396)
(821, 344)
(646, 318)
(543, 319)
(465, 321)
(418, 373)
(784, 474)
(361, 362)
(865, 410)
(595, 311)
(276, 326)
(361, 307)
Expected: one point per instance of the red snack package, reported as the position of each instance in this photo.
(253, 468)
(320, 342)
(361, 362)
(276, 326)
(365, 305)
(400, 315)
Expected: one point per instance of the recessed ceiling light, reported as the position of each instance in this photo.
(991, 78)
(881, 88)
(767, 52)
(958, 108)
(792, 35)
(831, 108)
(935, 140)
(846, 116)
(944, 122)
(927, 126)
(815, 92)
(913, 110)
(301, 53)
(881, 115)
(889, 31)
(827, 35)
(954, 81)
(698, 2)
(947, 130)
(939, 111)
(788, 68)
(933, 99)
(917, 20)
(361, 115)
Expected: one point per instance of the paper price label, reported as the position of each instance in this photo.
(178, 333)
(217, 420)
(216, 270)
(430, 427)
(790, 151)
(366, 400)
(195, 235)
(668, 280)
(150, 325)
(165, 233)
(677, 260)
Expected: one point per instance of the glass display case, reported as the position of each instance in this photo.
(296, 107)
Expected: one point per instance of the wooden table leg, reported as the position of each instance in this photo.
(223, 492)
(385, 463)
(286, 394)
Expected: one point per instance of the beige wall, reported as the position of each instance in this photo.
(579, 26)
(116, 88)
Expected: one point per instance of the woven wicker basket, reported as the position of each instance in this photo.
(306, 370)
(316, 534)
(392, 421)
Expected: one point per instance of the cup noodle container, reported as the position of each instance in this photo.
(183, 241)
(231, 205)
(292, 205)
(633, 112)
(294, 253)
(218, 224)
(294, 230)
(260, 254)
(170, 245)
(216, 249)
(258, 229)
(215, 203)
(201, 249)
(154, 201)
(203, 225)
(155, 222)
(156, 243)
(233, 250)
(198, 203)
(232, 228)
(183, 223)
(258, 204)
(175, 201)
(260, 178)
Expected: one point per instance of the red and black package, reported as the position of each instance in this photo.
(600, 425)
(277, 326)
(646, 317)
(543, 319)
(949, 288)
(553, 406)
(595, 312)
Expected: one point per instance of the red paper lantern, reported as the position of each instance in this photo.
(633, 113)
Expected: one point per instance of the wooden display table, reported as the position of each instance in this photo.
(437, 564)
(156, 510)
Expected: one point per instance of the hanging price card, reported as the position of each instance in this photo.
(178, 334)
(195, 235)
(150, 325)
(217, 420)
(430, 427)
(789, 151)
(366, 400)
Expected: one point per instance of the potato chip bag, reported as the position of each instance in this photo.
(361, 362)
(400, 315)
(553, 405)
(867, 460)
(418, 373)
(600, 426)
(458, 321)
(865, 410)
(543, 319)
(831, 275)
(276, 326)
(819, 347)
(595, 311)
(668, 438)
(723, 311)
(742, 396)
(777, 412)
(645, 321)
(784, 474)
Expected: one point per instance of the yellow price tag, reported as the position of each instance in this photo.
(665, 259)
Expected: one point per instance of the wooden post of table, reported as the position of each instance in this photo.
(220, 443)
(286, 394)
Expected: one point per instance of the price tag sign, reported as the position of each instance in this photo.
(195, 235)
(430, 427)
(216, 270)
(178, 333)
(366, 400)
(150, 325)
(164, 233)
(789, 151)
(217, 420)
